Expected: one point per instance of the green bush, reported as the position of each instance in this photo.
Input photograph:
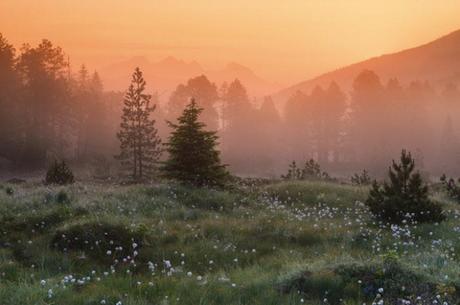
(310, 171)
(404, 197)
(9, 190)
(59, 173)
(62, 197)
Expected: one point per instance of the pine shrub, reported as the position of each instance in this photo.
(310, 171)
(294, 173)
(404, 197)
(59, 173)
(9, 190)
(362, 178)
(62, 197)
(452, 187)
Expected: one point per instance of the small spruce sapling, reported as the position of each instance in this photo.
(452, 187)
(59, 173)
(362, 178)
(404, 197)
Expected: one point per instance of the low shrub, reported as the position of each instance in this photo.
(362, 178)
(310, 171)
(9, 190)
(452, 187)
(59, 173)
(62, 197)
(404, 197)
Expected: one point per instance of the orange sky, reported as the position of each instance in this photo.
(283, 41)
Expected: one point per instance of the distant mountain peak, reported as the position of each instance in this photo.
(171, 71)
(236, 67)
(172, 60)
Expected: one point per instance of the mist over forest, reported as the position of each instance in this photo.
(358, 121)
(229, 152)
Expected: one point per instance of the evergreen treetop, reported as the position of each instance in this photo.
(404, 197)
(139, 140)
(193, 158)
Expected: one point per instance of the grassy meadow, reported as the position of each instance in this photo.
(257, 242)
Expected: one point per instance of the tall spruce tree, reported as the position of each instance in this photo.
(193, 158)
(11, 125)
(46, 106)
(139, 140)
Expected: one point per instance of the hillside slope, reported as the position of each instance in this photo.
(437, 61)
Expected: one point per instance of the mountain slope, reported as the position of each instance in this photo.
(255, 84)
(437, 61)
(161, 76)
(164, 76)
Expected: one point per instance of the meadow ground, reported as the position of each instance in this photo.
(260, 243)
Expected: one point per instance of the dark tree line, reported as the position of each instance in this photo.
(370, 126)
(50, 112)
(47, 111)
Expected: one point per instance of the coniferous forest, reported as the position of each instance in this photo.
(50, 111)
(129, 181)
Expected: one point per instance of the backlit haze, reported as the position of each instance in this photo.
(283, 42)
(347, 83)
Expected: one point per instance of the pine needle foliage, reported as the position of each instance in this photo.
(193, 158)
(59, 173)
(404, 198)
(362, 178)
(452, 187)
(140, 145)
(310, 171)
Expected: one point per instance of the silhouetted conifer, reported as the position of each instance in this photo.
(193, 158)
(139, 140)
(59, 173)
(451, 187)
(362, 178)
(310, 171)
(294, 173)
(404, 197)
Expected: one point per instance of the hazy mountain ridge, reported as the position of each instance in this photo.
(437, 61)
(164, 75)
